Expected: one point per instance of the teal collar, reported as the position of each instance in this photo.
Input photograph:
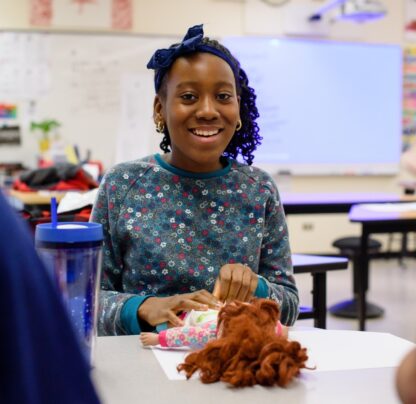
(183, 173)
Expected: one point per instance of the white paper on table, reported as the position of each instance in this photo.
(169, 359)
(344, 350)
(390, 207)
(328, 350)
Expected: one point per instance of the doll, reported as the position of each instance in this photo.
(247, 345)
(199, 327)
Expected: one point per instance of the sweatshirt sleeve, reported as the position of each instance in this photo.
(117, 311)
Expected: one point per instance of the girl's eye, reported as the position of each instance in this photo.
(223, 96)
(188, 97)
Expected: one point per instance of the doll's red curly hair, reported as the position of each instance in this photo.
(247, 351)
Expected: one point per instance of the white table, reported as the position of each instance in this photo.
(125, 373)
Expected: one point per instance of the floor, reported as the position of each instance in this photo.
(391, 286)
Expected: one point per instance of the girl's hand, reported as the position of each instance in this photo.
(235, 282)
(149, 339)
(157, 310)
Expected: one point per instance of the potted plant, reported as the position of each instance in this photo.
(45, 127)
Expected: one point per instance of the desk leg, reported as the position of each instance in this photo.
(319, 299)
(362, 279)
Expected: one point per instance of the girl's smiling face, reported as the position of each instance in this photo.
(200, 107)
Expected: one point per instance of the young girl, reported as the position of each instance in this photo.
(193, 227)
(249, 346)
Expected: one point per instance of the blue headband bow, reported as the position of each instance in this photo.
(162, 59)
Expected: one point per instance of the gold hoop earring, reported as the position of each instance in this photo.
(160, 127)
(239, 125)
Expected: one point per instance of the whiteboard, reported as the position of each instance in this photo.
(325, 107)
(96, 85)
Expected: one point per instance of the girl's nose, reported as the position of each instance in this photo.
(207, 109)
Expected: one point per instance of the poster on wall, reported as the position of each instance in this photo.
(9, 128)
(410, 20)
(88, 14)
(409, 97)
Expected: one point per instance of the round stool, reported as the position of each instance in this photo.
(350, 247)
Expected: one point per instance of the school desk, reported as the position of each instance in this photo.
(317, 266)
(378, 218)
(335, 202)
(126, 373)
(29, 200)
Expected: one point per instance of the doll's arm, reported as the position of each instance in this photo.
(149, 338)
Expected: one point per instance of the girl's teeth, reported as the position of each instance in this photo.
(205, 133)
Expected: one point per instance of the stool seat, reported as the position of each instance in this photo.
(353, 243)
(350, 247)
(349, 309)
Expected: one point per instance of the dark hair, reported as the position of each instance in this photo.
(245, 141)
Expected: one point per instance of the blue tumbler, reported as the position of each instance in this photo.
(72, 254)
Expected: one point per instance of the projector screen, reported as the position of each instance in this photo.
(326, 108)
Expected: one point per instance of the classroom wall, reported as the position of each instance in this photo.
(311, 233)
(234, 17)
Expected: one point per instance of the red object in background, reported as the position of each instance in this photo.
(33, 218)
(122, 14)
(97, 163)
(41, 13)
(411, 26)
(65, 178)
(44, 163)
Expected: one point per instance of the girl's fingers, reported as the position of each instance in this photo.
(253, 285)
(204, 297)
(174, 319)
(216, 292)
(186, 304)
(245, 292)
(235, 284)
(224, 280)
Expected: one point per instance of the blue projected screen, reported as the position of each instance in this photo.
(325, 107)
